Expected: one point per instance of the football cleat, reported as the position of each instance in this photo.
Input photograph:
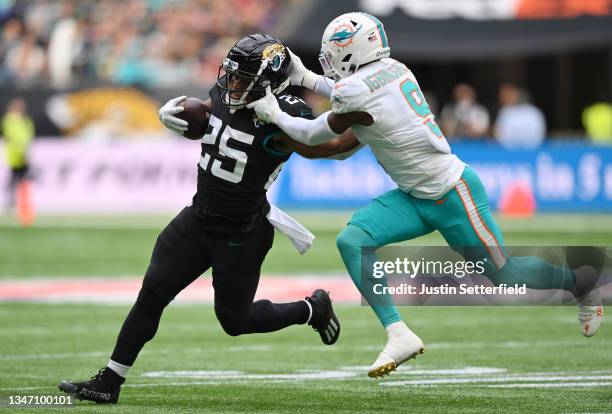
(590, 305)
(102, 388)
(323, 319)
(590, 318)
(402, 345)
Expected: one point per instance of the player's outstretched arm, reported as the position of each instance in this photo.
(338, 148)
(307, 131)
(300, 76)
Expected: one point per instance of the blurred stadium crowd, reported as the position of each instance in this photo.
(97, 71)
(132, 42)
(518, 124)
(168, 45)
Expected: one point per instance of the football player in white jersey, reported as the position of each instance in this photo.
(380, 99)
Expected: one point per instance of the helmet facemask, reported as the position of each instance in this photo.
(325, 59)
(240, 86)
(244, 75)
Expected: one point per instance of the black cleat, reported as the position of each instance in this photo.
(103, 388)
(323, 319)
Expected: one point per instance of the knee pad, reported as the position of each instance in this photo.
(343, 241)
(150, 302)
(353, 239)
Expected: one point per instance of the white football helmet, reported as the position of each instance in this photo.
(350, 41)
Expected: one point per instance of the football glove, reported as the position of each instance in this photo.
(267, 108)
(167, 112)
(300, 76)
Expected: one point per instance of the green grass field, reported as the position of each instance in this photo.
(478, 360)
(119, 246)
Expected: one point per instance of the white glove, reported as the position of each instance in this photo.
(299, 75)
(167, 112)
(267, 108)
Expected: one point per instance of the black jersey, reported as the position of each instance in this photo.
(238, 164)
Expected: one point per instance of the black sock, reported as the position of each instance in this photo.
(261, 316)
(269, 317)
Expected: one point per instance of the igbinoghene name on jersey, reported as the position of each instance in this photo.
(446, 289)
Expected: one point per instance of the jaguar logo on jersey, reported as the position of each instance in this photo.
(275, 55)
(343, 34)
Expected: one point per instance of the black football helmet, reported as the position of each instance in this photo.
(253, 63)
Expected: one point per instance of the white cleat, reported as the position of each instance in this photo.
(402, 345)
(590, 305)
(590, 313)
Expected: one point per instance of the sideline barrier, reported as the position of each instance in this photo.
(160, 175)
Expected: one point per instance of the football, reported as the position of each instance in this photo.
(196, 114)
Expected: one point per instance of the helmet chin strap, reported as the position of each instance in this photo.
(242, 101)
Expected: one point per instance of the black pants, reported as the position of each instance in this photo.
(18, 175)
(183, 251)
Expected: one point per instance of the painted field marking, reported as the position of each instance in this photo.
(270, 347)
(124, 290)
(281, 288)
(552, 385)
(517, 378)
(490, 377)
(478, 376)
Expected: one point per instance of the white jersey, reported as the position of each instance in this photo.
(404, 136)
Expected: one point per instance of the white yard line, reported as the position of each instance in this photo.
(475, 376)
(270, 347)
(480, 380)
(552, 385)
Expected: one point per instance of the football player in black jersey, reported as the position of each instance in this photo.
(225, 228)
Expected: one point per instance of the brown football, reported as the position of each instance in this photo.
(196, 114)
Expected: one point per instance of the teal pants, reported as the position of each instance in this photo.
(463, 218)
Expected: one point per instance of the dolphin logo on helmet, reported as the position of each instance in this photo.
(344, 35)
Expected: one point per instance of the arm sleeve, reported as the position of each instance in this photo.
(319, 84)
(307, 131)
(324, 86)
(346, 96)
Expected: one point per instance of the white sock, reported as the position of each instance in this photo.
(397, 329)
(310, 310)
(119, 369)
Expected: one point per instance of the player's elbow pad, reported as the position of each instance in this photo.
(307, 131)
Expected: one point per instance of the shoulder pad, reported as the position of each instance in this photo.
(349, 96)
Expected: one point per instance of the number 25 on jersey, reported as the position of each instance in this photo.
(228, 153)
